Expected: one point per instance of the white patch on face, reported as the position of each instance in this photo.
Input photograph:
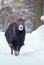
(20, 27)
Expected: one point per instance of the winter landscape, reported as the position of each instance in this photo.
(32, 53)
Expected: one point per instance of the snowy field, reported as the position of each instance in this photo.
(32, 53)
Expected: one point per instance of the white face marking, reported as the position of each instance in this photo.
(20, 27)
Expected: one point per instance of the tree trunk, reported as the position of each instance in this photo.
(38, 13)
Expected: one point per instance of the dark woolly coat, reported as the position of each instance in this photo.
(17, 38)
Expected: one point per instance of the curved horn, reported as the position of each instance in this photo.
(27, 17)
(31, 19)
(14, 16)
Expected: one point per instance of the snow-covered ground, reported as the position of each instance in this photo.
(32, 53)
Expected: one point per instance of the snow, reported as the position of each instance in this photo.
(32, 53)
(42, 18)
